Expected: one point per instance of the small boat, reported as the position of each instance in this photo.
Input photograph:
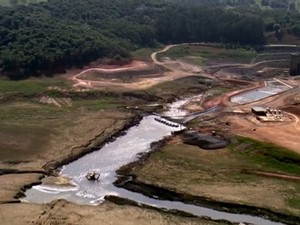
(92, 176)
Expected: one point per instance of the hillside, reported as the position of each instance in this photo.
(18, 2)
(48, 37)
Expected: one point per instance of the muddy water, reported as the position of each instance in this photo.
(109, 159)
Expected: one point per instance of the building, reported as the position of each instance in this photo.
(295, 64)
(259, 111)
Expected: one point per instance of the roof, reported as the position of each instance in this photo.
(259, 109)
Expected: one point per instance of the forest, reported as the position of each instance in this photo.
(48, 37)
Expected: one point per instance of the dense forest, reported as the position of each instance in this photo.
(48, 37)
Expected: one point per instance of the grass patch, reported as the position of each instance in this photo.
(27, 111)
(268, 156)
(294, 202)
(29, 87)
(180, 87)
(143, 54)
(201, 54)
(217, 91)
(99, 104)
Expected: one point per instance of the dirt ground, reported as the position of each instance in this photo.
(285, 135)
(64, 213)
(31, 143)
(32, 136)
(171, 70)
(217, 175)
(66, 134)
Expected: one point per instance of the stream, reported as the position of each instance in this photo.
(122, 151)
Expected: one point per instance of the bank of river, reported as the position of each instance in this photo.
(111, 157)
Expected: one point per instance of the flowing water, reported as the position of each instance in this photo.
(110, 158)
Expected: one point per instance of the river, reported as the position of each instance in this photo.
(122, 151)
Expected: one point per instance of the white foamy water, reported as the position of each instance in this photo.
(175, 109)
(107, 161)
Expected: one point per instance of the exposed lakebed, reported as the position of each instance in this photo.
(116, 154)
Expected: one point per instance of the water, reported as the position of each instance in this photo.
(175, 110)
(271, 88)
(106, 161)
(109, 159)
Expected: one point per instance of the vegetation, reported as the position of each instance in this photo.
(18, 2)
(200, 54)
(47, 37)
(270, 156)
(28, 87)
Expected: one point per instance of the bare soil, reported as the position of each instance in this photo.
(64, 213)
(293, 109)
(56, 136)
(217, 175)
(285, 135)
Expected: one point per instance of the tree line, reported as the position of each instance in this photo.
(47, 37)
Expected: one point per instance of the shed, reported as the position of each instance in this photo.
(260, 111)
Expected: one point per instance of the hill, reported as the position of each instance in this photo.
(18, 2)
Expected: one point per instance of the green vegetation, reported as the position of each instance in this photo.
(294, 202)
(180, 87)
(100, 104)
(143, 54)
(46, 38)
(290, 5)
(200, 54)
(18, 2)
(267, 156)
(29, 87)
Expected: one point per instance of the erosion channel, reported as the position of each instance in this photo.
(120, 152)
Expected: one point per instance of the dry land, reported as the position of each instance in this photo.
(226, 175)
(64, 213)
(49, 121)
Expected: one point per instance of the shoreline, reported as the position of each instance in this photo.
(51, 168)
(130, 182)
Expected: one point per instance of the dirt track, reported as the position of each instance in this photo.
(241, 126)
(174, 70)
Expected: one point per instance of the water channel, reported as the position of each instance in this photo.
(110, 158)
(271, 88)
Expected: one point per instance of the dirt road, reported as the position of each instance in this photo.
(174, 70)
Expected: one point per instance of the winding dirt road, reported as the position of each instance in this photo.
(175, 70)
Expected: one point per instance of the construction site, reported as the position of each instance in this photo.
(195, 131)
(263, 80)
